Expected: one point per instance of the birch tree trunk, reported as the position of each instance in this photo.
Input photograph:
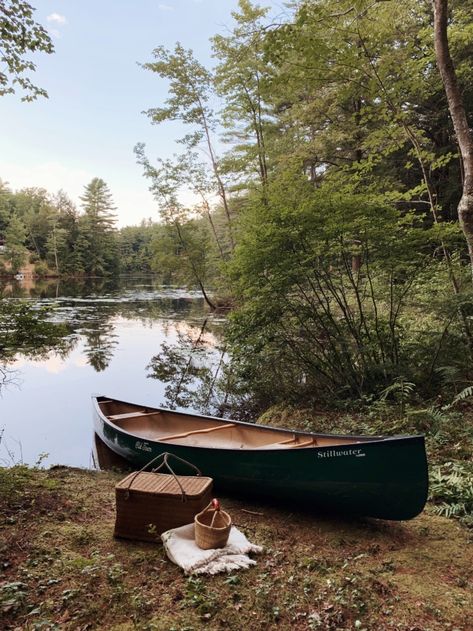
(456, 107)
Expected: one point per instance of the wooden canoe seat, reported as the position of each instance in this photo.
(289, 443)
(122, 417)
(304, 443)
(296, 444)
(207, 430)
(288, 440)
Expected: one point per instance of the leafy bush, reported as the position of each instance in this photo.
(341, 299)
(41, 269)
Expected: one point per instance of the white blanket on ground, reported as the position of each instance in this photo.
(182, 549)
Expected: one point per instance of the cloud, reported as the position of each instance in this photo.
(57, 18)
(165, 7)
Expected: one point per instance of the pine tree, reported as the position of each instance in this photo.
(97, 227)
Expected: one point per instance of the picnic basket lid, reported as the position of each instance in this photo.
(166, 485)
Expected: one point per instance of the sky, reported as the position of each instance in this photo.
(97, 92)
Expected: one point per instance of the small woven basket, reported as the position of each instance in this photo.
(212, 527)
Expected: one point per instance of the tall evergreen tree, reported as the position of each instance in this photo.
(97, 226)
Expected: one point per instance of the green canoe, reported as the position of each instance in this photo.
(375, 476)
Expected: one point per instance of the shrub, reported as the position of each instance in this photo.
(41, 269)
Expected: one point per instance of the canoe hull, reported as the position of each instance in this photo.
(385, 479)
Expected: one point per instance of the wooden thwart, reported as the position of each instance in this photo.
(304, 443)
(121, 417)
(289, 443)
(196, 431)
(288, 440)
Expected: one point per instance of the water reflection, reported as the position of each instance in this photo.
(105, 459)
(119, 333)
(198, 374)
(186, 368)
(90, 310)
(99, 345)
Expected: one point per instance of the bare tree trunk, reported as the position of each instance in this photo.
(194, 268)
(208, 213)
(221, 188)
(55, 250)
(459, 119)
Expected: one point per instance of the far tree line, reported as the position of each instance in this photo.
(60, 239)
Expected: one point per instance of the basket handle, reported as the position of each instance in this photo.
(214, 507)
(166, 464)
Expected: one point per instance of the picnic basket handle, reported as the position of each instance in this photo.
(164, 463)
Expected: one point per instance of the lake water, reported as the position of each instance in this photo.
(116, 330)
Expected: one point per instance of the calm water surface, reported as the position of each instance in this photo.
(116, 330)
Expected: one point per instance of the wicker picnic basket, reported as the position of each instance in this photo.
(148, 503)
(212, 527)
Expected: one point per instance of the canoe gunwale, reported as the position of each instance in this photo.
(357, 439)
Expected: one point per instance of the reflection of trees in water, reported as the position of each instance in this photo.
(181, 365)
(194, 369)
(53, 288)
(88, 308)
(28, 331)
(95, 323)
(114, 286)
(99, 344)
(8, 376)
(197, 373)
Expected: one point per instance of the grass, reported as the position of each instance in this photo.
(61, 568)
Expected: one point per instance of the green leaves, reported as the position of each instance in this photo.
(339, 189)
(189, 87)
(20, 35)
(451, 489)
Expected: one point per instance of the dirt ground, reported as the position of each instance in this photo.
(61, 568)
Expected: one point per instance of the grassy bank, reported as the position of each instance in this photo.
(62, 569)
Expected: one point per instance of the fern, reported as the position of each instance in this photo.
(448, 374)
(400, 390)
(398, 387)
(464, 394)
(451, 490)
(461, 396)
